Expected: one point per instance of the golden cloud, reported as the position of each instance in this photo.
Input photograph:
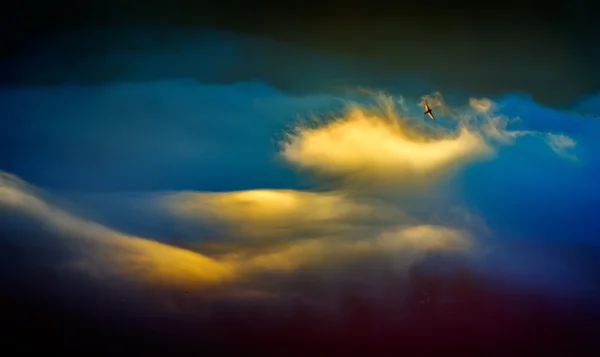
(111, 255)
(104, 252)
(380, 144)
(266, 214)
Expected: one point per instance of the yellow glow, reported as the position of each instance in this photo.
(108, 254)
(105, 252)
(269, 213)
(368, 143)
(163, 264)
(266, 205)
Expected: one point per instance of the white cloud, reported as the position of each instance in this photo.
(560, 144)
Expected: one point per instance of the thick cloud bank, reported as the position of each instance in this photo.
(331, 58)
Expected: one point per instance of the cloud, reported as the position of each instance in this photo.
(382, 143)
(338, 261)
(366, 144)
(483, 105)
(560, 144)
(390, 268)
(279, 214)
(106, 253)
(496, 127)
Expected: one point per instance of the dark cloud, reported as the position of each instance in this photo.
(305, 48)
(141, 54)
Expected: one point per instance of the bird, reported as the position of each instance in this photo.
(428, 111)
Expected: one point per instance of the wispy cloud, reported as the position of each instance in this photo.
(560, 144)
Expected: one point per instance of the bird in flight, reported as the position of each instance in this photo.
(428, 111)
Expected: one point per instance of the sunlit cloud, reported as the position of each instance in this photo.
(104, 252)
(111, 256)
(280, 214)
(380, 144)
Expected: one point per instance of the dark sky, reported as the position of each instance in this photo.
(542, 49)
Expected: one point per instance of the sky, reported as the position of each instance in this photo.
(251, 184)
